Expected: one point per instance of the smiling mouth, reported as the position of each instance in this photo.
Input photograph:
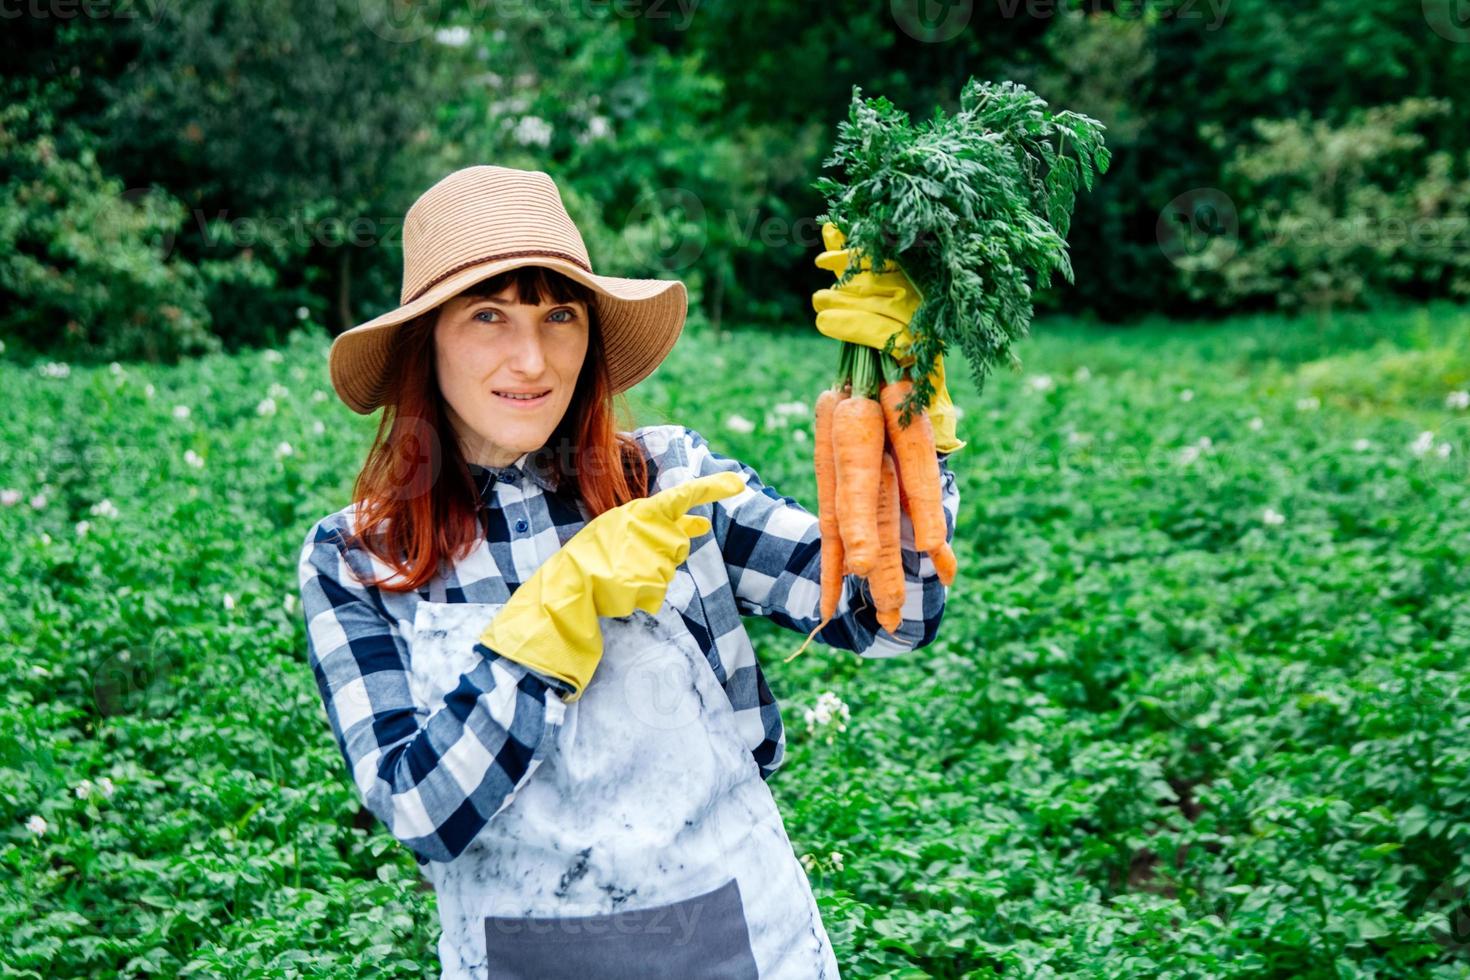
(522, 398)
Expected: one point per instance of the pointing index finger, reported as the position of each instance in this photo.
(701, 490)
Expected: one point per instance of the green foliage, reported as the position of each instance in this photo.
(1344, 214)
(85, 268)
(974, 207)
(1160, 733)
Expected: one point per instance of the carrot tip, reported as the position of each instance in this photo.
(813, 633)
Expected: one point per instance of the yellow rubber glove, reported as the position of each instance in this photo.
(623, 559)
(871, 307)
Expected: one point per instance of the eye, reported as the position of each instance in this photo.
(484, 313)
(570, 318)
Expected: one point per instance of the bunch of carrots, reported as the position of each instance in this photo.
(872, 464)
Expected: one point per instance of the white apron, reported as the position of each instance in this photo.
(645, 846)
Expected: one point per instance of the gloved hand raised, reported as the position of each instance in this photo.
(622, 560)
(871, 307)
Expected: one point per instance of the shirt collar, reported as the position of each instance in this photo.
(533, 466)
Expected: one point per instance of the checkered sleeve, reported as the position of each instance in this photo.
(434, 779)
(773, 551)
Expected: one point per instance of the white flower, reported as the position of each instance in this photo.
(1040, 382)
(9, 497)
(1187, 395)
(808, 862)
(1457, 399)
(267, 406)
(739, 423)
(104, 508)
(598, 127)
(1081, 374)
(36, 824)
(148, 390)
(84, 789)
(791, 408)
(1442, 450)
(193, 459)
(837, 860)
(115, 368)
(1423, 445)
(318, 427)
(284, 449)
(302, 313)
(533, 131)
(289, 603)
(1189, 454)
(278, 390)
(1308, 404)
(453, 37)
(55, 369)
(229, 601)
(83, 527)
(1271, 516)
(1076, 438)
(959, 413)
(799, 435)
(105, 785)
(181, 412)
(1256, 424)
(272, 356)
(829, 713)
(1362, 445)
(318, 395)
(38, 501)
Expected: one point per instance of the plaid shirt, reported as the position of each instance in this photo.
(436, 778)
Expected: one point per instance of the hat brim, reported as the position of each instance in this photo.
(640, 321)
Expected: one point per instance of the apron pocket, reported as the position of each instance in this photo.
(704, 936)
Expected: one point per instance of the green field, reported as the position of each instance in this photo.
(1198, 706)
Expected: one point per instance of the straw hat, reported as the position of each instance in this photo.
(479, 222)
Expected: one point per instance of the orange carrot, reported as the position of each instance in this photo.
(857, 439)
(832, 551)
(835, 560)
(944, 564)
(918, 466)
(887, 581)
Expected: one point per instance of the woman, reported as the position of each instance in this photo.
(526, 627)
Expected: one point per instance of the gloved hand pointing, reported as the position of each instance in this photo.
(622, 560)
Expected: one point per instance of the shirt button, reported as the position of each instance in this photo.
(521, 525)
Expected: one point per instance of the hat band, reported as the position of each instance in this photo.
(550, 253)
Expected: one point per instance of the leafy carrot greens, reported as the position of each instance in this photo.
(974, 207)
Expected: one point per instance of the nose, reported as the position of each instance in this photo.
(529, 358)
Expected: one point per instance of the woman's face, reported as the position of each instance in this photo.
(488, 350)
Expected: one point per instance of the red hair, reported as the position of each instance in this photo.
(416, 499)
